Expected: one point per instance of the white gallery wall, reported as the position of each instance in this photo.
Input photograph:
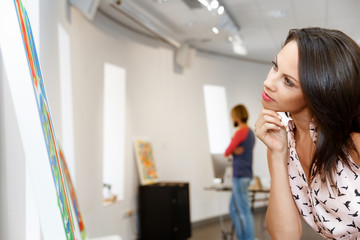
(163, 103)
(12, 168)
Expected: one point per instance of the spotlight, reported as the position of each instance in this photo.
(214, 4)
(221, 10)
(215, 30)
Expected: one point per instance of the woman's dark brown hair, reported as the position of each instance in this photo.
(329, 71)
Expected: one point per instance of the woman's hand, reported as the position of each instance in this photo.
(238, 150)
(282, 209)
(271, 131)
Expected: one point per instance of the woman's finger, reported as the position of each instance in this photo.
(262, 130)
(265, 118)
(272, 119)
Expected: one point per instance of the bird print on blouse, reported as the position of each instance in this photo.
(332, 211)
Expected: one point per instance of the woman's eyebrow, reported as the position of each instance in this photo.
(287, 75)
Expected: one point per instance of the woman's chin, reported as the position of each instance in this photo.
(268, 106)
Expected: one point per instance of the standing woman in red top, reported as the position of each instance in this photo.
(241, 148)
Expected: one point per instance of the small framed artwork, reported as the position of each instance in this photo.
(145, 162)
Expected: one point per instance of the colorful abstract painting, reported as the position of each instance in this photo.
(72, 193)
(63, 193)
(145, 162)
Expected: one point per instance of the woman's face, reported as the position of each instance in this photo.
(282, 91)
(235, 120)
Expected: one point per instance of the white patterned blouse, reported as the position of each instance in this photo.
(332, 212)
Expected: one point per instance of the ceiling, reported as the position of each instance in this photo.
(263, 24)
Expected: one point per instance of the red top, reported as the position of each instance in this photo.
(238, 138)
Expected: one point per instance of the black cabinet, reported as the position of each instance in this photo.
(164, 211)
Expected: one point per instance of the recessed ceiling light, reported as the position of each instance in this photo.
(277, 14)
(160, 1)
(239, 48)
(188, 24)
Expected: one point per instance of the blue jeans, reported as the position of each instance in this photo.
(240, 210)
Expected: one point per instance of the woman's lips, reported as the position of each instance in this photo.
(266, 97)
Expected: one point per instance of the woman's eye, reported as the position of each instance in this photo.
(288, 82)
(274, 65)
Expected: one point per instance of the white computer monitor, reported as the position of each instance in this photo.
(220, 163)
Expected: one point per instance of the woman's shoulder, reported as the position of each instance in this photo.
(243, 129)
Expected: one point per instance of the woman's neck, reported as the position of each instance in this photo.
(241, 125)
(304, 144)
(302, 123)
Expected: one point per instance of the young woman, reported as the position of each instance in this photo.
(241, 148)
(314, 161)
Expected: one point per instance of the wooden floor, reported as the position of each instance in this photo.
(211, 230)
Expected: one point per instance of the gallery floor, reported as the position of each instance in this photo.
(211, 229)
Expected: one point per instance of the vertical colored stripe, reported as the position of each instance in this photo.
(25, 38)
(61, 174)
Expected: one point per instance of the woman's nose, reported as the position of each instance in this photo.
(270, 82)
